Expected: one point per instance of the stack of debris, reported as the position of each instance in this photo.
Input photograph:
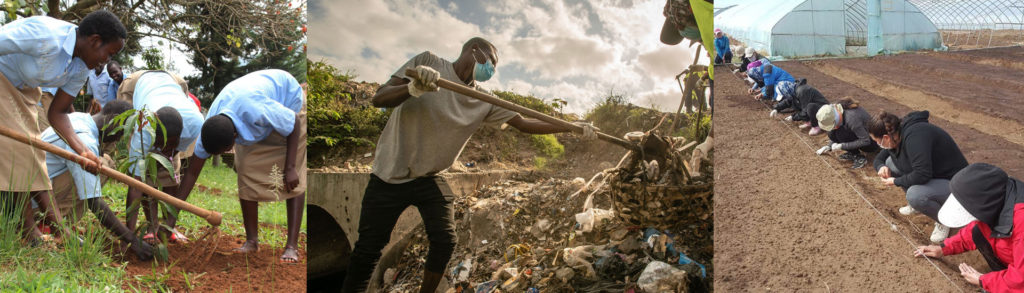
(656, 187)
(528, 235)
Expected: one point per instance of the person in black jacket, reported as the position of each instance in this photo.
(806, 102)
(847, 126)
(918, 157)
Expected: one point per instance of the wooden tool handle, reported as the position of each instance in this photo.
(211, 217)
(462, 89)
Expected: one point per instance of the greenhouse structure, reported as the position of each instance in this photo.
(809, 28)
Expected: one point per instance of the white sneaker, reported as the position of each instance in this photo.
(939, 233)
(907, 210)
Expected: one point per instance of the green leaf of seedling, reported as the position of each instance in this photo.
(169, 212)
(134, 207)
(161, 252)
(164, 162)
(152, 171)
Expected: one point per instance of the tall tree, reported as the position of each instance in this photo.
(224, 39)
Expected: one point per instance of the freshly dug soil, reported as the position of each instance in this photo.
(786, 221)
(225, 270)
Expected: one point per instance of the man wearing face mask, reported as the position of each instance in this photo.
(424, 135)
(920, 158)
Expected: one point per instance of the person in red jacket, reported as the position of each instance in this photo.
(989, 205)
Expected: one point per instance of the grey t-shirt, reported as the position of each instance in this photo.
(425, 135)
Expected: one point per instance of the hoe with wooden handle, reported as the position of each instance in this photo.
(458, 88)
(211, 217)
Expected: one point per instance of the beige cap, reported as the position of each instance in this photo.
(749, 53)
(828, 115)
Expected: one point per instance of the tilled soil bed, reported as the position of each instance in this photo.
(787, 220)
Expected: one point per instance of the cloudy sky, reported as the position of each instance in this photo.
(574, 50)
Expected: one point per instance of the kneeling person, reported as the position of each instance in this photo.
(847, 126)
(89, 130)
(264, 114)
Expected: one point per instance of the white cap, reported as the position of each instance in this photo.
(749, 52)
(953, 215)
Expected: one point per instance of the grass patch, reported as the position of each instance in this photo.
(219, 192)
(89, 268)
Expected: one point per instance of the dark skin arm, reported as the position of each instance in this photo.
(534, 126)
(291, 178)
(191, 174)
(392, 93)
(58, 116)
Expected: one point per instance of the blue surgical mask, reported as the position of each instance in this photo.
(483, 72)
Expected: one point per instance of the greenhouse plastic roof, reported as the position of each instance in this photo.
(786, 28)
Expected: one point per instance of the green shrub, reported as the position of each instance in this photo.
(616, 117)
(527, 101)
(339, 124)
(548, 145)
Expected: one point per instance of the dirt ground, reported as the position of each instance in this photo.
(787, 220)
(959, 40)
(224, 271)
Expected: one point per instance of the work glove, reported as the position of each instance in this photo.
(589, 131)
(773, 113)
(425, 82)
(836, 146)
(823, 150)
(789, 118)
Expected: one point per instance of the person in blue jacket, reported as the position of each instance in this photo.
(722, 52)
(778, 84)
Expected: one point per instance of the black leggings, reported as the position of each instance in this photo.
(383, 203)
(843, 135)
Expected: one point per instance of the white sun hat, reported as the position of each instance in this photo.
(953, 214)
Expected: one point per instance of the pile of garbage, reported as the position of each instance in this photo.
(664, 187)
(542, 235)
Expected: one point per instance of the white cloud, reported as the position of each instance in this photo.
(393, 31)
(578, 52)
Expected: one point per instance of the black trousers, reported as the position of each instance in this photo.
(383, 203)
(723, 58)
(843, 135)
(810, 113)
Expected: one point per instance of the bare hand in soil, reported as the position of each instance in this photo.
(750, 91)
(884, 172)
(759, 96)
(933, 251)
(142, 250)
(970, 274)
(889, 181)
(248, 246)
(290, 255)
(291, 179)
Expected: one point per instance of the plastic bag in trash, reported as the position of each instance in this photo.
(590, 219)
(684, 260)
(576, 257)
(654, 272)
(461, 271)
(487, 287)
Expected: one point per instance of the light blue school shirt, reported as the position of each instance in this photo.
(258, 103)
(155, 90)
(87, 185)
(37, 52)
